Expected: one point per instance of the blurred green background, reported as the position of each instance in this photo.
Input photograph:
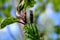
(46, 13)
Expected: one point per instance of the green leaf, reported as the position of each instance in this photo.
(8, 21)
(31, 32)
(29, 3)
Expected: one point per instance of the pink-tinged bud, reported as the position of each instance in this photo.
(25, 19)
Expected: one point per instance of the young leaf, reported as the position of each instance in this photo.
(31, 32)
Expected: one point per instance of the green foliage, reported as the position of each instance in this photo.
(57, 29)
(5, 10)
(29, 3)
(8, 21)
(31, 32)
(25, 4)
(58, 38)
(3, 1)
(56, 4)
(40, 1)
(40, 8)
(0, 19)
